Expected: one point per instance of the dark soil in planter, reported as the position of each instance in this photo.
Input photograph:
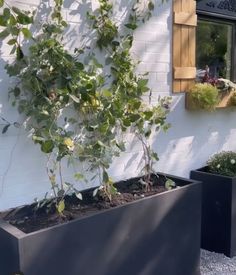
(30, 218)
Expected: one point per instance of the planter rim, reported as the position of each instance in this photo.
(199, 170)
(17, 233)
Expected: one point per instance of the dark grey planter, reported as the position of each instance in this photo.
(218, 211)
(158, 235)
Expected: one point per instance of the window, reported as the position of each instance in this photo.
(215, 41)
(214, 49)
(217, 48)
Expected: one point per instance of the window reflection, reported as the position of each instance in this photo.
(214, 47)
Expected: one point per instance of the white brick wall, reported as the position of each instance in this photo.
(194, 136)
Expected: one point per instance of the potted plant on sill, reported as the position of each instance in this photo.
(113, 241)
(218, 203)
(211, 94)
(203, 96)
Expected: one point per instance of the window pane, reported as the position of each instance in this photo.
(214, 46)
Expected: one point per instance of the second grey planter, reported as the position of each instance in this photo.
(218, 211)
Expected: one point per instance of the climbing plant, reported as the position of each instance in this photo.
(128, 88)
(74, 113)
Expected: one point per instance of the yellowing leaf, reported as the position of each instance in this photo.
(79, 176)
(61, 206)
(53, 179)
(69, 142)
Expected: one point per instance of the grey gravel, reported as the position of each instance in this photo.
(217, 264)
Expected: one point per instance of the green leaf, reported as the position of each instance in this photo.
(16, 91)
(131, 26)
(148, 115)
(13, 50)
(24, 19)
(19, 53)
(61, 207)
(115, 43)
(126, 122)
(104, 128)
(1, 3)
(155, 156)
(64, 23)
(107, 93)
(134, 117)
(47, 146)
(170, 184)
(4, 34)
(105, 177)
(12, 42)
(137, 104)
(79, 65)
(151, 6)
(12, 21)
(6, 13)
(121, 146)
(15, 30)
(142, 82)
(3, 21)
(26, 32)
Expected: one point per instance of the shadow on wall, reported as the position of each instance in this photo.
(152, 46)
(193, 137)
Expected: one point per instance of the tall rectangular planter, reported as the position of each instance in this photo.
(158, 235)
(218, 211)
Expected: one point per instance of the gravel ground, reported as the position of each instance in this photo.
(217, 264)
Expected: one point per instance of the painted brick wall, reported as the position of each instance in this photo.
(194, 136)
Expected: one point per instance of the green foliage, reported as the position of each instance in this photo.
(15, 22)
(70, 109)
(223, 163)
(128, 88)
(103, 24)
(204, 96)
(170, 184)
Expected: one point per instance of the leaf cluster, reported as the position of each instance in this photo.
(223, 163)
(71, 110)
(205, 96)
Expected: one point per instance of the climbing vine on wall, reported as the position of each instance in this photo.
(73, 113)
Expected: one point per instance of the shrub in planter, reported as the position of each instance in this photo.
(223, 163)
(218, 203)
